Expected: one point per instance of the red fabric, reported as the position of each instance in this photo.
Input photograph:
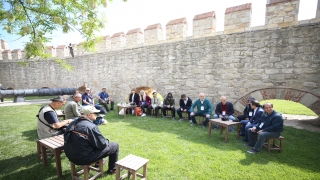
(137, 111)
(224, 108)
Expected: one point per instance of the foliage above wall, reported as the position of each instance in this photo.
(37, 19)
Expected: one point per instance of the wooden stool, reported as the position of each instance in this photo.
(85, 171)
(200, 119)
(185, 117)
(132, 163)
(274, 145)
(169, 113)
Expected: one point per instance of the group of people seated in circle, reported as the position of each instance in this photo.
(85, 144)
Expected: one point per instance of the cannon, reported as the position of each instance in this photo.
(21, 93)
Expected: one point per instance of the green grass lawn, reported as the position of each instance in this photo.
(289, 107)
(175, 150)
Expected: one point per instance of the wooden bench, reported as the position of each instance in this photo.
(55, 144)
(132, 163)
(85, 171)
(274, 145)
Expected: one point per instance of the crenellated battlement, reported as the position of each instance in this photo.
(237, 19)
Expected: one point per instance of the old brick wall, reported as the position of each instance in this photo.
(232, 65)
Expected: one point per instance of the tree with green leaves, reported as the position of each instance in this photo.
(39, 18)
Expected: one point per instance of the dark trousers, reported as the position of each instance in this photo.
(143, 106)
(179, 112)
(106, 105)
(173, 111)
(199, 114)
(111, 150)
(156, 110)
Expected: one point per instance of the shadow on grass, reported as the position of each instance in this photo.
(301, 147)
(28, 167)
(31, 135)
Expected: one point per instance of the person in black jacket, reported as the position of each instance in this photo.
(84, 144)
(185, 105)
(168, 104)
(134, 99)
(248, 111)
(224, 109)
(270, 126)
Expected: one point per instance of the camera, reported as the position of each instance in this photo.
(224, 118)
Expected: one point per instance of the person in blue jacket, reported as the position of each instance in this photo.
(254, 120)
(204, 108)
(224, 109)
(270, 126)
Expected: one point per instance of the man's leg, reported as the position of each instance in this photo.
(215, 116)
(246, 128)
(193, 118)
(241, 117)
(251, 137)
(164, 112)
(102, 111)
(105, 105)
(206, 121)
(173, 112)
(243, 125)
(157, 110)
(112, 105)
(112, 150)
(149, 110)
(262, 138)
(231, 128)
(179, 113)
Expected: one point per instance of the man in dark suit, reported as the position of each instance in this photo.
(185, 105)
(248, 111)
(254, 120)
(134, 99)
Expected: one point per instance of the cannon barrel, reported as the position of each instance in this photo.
(21, 93)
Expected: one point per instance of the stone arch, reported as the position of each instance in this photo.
(307, 98)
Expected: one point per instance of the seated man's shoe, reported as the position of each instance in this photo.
(143, 115)
(172, 118)
(193, 124)
(154, 116)
(164, 117)
(215, 129)
(111, 109)
(190, 120)
(97, 163)
(253, 151)
(113, 171)
(181, 119)
(203, 126)
(231, 130)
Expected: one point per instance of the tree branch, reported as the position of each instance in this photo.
(24, 8)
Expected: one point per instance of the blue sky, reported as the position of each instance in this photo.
(133, 14)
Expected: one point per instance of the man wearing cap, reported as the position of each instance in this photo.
(85, 144)
(248, 111)
(48, 123)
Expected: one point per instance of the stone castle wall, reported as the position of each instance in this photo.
(232, 65)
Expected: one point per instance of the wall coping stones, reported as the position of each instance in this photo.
(118, 34)
(238, 8)
(275, 2)
(205, 15)
(61, 46)
(154, 26)
(177, 21)
(134, 31)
